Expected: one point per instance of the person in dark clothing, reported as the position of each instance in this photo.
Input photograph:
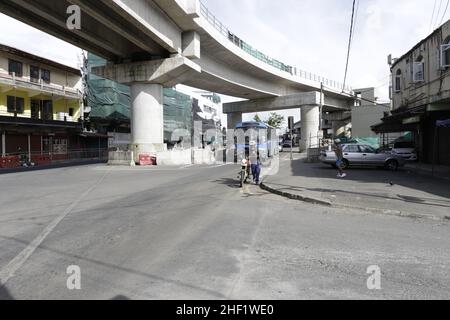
(256, 170)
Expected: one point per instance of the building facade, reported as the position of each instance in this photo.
(40, 106)
(421, 96)
(366, 113)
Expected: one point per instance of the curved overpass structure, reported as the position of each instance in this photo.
(155, 43)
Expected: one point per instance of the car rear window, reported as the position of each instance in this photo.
(403, 145)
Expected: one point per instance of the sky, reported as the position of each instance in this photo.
(310, 34)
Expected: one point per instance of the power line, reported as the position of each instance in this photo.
(356, 19)
(432, 15)
(349, 44)
(437, 14)
(443, 16)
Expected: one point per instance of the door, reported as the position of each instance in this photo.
(369, 156)
(352, 154)
(35, 109)
(47, 110)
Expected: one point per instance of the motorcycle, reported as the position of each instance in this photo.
(25, 163)
(245, 172)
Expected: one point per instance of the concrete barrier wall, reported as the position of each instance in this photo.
(171, 158)
(121, 158)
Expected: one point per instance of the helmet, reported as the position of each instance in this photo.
(337, 141)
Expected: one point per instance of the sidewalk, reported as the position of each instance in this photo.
(402, 193)
(441, 172)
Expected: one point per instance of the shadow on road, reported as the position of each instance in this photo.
(232, 183)
(402, 178)
(120, 298)
(4, 294)
(216, 295)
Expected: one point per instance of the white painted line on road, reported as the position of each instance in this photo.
(9, 270)
(221, 165)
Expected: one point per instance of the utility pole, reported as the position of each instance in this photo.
(291, 128)
(321, 111)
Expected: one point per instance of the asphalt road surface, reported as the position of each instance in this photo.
(192, 233)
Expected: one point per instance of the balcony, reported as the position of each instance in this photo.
(36, 87)
(8, 119)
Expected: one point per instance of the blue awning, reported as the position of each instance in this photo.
(443, 123)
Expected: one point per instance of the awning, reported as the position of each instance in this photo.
(401, 120)
(395, 126)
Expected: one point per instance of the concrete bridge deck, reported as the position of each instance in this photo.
(155, 43)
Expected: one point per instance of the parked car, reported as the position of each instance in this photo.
(363, 155)
(406, 150)
(286, 144)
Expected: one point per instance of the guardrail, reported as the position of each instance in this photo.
(294, 71)
(38, 84)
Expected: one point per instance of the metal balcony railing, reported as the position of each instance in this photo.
(26, 117)
(297, 72)
(38, 84)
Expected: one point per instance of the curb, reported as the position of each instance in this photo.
(295, 196)
(341, 206)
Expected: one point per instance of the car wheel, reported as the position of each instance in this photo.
(392, 165)
(346, 164)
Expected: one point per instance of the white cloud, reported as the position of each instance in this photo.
(26, 38)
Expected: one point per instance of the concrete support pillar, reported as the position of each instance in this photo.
(233, 119)
(310, 127)
(147, 119)
(3, 144)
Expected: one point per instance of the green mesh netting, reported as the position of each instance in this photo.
(374, 142)
(110, 100)
(177, 112)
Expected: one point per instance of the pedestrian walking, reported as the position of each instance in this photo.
(256, 170)
(339, 158)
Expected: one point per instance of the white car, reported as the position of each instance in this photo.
(363, 155)
(406, 150)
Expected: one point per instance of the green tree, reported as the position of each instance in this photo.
(257, 118)
(276, 120)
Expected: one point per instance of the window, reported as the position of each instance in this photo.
(60, 146)
(47, 110)
(404, 145)
(367, 149)
(35, 107)
(45, 75)
(445, 54)
(34, 74)
(418, 70)
(398, 81)
(352, 149)
(15, 104)
(71, 112)
(15, 67)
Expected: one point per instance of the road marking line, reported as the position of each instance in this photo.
(9, 270)
(221, 165)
